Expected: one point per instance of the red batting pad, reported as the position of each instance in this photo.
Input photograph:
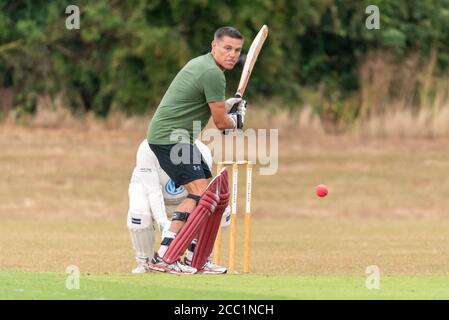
(206, 206)
(209, 230)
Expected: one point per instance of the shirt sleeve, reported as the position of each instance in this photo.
(213, 83)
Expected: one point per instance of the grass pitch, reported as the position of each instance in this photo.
(24, 285)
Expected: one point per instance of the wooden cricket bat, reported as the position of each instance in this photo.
(251, 59)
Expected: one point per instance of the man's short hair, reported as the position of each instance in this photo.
(227, 31)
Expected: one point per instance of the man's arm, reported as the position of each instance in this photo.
(221, 119)
(157, 204)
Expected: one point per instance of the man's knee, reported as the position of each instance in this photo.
(197, 187)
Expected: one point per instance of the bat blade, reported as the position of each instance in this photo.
(251, 59)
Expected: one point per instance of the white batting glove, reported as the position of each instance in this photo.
(233, 116)
(242, 108)
(239, 112)
(231, 102)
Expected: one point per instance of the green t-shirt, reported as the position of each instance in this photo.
(186, 101)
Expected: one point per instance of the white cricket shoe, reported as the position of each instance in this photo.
(157, 264)
(208, 268)
(212, 268)
(142, 266)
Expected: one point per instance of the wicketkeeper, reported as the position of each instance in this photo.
(153, 196)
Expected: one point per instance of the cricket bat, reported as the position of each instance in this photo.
(251, 59)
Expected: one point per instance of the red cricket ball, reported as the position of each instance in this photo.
(321, 190)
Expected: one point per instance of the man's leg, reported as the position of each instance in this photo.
(182, 211)
(139, 222)
(196, 188)
(199, 216)
(208, 233)
(209, 266)
(203, 221)
(194, 177)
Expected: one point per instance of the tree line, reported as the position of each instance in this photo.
(125, 53)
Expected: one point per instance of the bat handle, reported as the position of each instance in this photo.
(239, 116)
(239, 121)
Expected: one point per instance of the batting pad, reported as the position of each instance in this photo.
(197, 218)
(208, 232)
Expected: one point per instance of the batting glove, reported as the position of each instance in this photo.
(239, 116)
(231, 102)
(242, 108)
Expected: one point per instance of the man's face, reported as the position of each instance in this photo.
(226, 51)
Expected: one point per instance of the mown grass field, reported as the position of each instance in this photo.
(63, 201)
(24, 285)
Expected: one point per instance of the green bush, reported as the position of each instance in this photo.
(127, 52)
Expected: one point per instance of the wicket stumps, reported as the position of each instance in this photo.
(233, 225)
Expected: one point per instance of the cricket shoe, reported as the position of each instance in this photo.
(208, 268)
(142, 266)
(157, 264)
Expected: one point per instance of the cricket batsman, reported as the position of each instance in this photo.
(196, 94)
(153, 196)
